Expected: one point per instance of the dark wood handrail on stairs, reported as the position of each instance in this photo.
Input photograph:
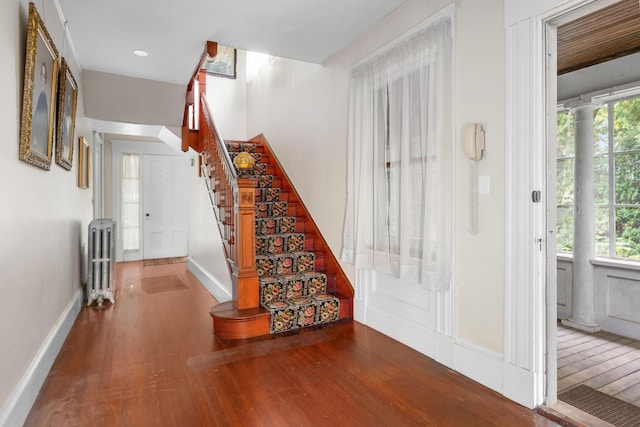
(197, 85)
(234, 197)
(234, 205)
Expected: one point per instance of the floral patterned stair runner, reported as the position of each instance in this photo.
(290, 289)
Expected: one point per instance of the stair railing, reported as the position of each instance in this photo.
(234, 205)
(232, 196)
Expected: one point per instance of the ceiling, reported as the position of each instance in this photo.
(105, 33)
(609, 33)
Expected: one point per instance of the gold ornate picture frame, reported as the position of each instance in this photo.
(66, 117)
(83, 163)
(39, 94)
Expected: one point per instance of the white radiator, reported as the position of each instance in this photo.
(102, 259)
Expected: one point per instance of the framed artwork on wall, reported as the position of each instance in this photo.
(223, 64)
(83, 163)
(39, 94)
(66, 117)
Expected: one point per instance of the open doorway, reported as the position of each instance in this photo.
(592, 55)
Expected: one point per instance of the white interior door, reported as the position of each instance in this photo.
(165, 201)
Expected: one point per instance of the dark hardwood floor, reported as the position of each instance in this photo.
(152, 360)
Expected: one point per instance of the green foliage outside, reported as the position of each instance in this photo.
(626, 186)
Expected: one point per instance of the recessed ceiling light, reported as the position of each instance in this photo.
(141, 53)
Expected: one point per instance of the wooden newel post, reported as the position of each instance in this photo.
(245, 278)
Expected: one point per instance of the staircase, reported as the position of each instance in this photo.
(284, 275)
(292, 286)
(300, 283)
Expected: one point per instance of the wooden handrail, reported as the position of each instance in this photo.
(234, 205)
(190, 124)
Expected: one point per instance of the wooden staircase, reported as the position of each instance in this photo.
(233, 197)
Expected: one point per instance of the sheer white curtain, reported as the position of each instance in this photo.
(398, 217)
(130, 202)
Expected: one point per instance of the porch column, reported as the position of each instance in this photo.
(583, 290)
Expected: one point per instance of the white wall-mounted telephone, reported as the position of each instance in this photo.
(473, 141)
(473, 146)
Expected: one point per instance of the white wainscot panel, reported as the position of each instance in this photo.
(157, 240)
(178, 239)
(624, 294)
(403, 311)
(565, 280)
(618, 300)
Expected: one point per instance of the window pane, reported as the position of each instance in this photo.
(565, 134)
(130, 202)
(627, 125)
(601, 130)
(601, 176)
(628, 178)
(564, 180)
(602, 230)
(628, 232)
(565, 229)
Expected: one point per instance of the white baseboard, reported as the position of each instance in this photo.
(215, 288)
(445, 351)
(519, 385)
(359, 311)
(479, 364)
(16, 409)
(475, 362)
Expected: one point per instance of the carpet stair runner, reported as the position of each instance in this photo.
(293, 287)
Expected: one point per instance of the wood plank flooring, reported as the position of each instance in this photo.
(603, 361)
(152, 360)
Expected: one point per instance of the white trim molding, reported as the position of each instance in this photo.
(17, 407)
(525, 220)
(528, 113)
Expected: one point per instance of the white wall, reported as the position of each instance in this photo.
(302, 110)
(131, 100)
(206, 253)
(43, 223)
(228, 100)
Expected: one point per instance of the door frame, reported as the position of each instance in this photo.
(530, 278)
(118, 147)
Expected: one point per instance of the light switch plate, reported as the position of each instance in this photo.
(484, 184)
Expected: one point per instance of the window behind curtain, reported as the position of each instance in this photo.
(398, 218)
(130, 202)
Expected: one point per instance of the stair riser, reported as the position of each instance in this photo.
(279, 244)
(285, 264)
(291, 286)
(303, 312)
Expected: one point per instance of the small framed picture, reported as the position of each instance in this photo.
(83, 163)
(39, 94)
(223, 64)
(67, 102)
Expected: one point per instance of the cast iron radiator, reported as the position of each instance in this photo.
(102, 259)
